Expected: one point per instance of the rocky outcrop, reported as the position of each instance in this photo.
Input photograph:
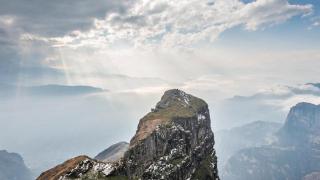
(295, 154)
(173, 142)
(12, 167)
(113, 153)
(82, 167)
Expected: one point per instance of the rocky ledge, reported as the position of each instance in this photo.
(173, 141)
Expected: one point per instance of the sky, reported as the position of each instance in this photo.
(174, 44)
(250, 60)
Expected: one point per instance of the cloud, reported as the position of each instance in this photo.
(56, 18)
(315, 22)
(270, 104)
(21, 59)
(82, 37)
(269, 12)
(168, 24)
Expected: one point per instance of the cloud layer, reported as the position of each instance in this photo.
(169, 24)
(52, 40)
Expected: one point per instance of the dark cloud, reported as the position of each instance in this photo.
(55, 18)
(47, 19)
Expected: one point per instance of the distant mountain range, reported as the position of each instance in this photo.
(113, 153)
(47, 90)
(12, 167)
(268, 105)
(254, 134)
(294, 155)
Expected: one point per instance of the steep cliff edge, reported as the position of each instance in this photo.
(173, 141)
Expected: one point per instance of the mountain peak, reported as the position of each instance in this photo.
(305, 105)
(176, 97)
(304, 115)
(174, 141)
(174, 104)
(171, 137)
(302, 121)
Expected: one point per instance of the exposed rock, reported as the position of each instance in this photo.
(295, 154)
(81, 167)
(173, 142)
(12, 167)
(113, 153)
(302, 125)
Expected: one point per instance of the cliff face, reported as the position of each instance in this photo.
(173, 141)
(294, 155)
(302, 124)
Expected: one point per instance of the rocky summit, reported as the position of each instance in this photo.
(173, 142)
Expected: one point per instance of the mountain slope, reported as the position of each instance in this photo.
(293, 156)
(49, 90)
(12, 167)
(113, 153)
(173, 142)
(302, 125)
(254, 134)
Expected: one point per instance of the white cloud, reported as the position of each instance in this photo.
(269, 12)
(315, 21)
(6, 20)
(167, 24)
(286, 104)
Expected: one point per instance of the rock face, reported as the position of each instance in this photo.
(302, 125)
(12, 167)
(114, 153)
(255, 134)
(81, 167)
(173, 142)
(295, 154)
